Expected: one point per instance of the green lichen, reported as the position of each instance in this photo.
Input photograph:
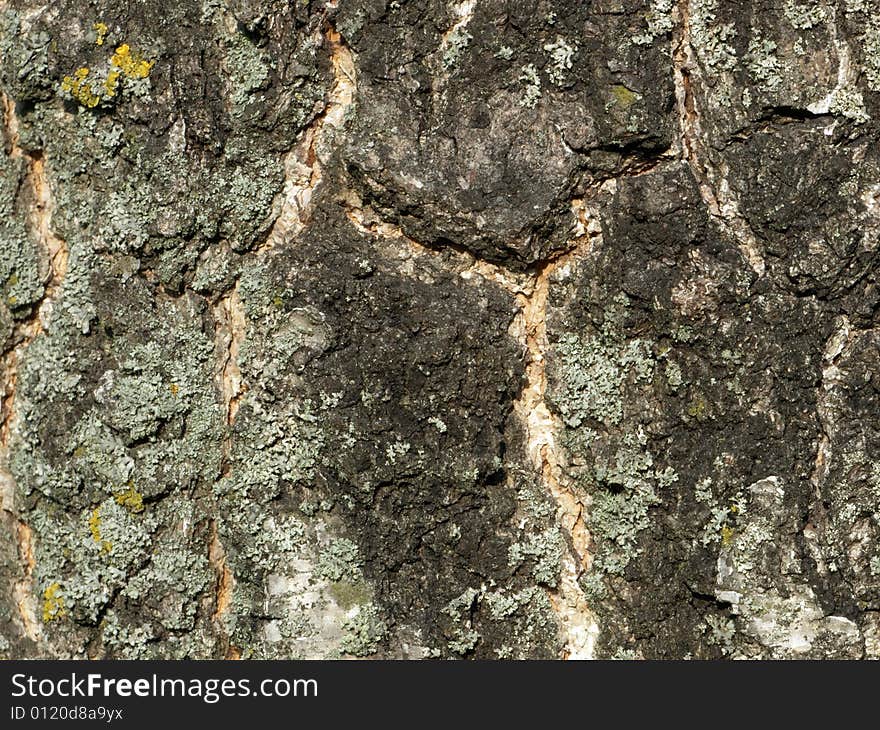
(848, 102)
(24, 48)
(503, 605)
(871, 45)
(21, 269)
(712, 38)
(249, 70)
(542, 552)
(561, 59)
(532, 86)
(365, 632)
(659, 22)
(721, 632)
(592, 371)
(763, 64)
(456, 42)
(620, 512)
(674, 376)
(805, 15)
(464, 638)
(340, 561)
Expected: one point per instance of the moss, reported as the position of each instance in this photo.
(348, 595)
(698, 408)
(623, 97)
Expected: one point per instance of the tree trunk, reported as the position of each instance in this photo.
(432, 329)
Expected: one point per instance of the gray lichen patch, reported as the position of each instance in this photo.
(439, 329)
(646, 362)
(772, 602)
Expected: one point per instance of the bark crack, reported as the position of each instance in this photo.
(578, 626)
(302, 165)
(720, 199)
(223, 590)
(530, 291)
(838, 341)
(55, 251)
(230, 322)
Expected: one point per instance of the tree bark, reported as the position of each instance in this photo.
(417, 329)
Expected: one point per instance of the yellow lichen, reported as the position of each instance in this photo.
(95, 529)
(131, 63)
(698, 408)
(727, 533)
(111, 82)
(174, 388)
(53, 603)
(131, 499)
(80, 89)
(101, 31)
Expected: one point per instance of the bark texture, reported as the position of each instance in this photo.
(422, 328)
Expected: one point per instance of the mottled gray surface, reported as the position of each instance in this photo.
(439, 329)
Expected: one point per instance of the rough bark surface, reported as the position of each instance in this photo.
(416, 328)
